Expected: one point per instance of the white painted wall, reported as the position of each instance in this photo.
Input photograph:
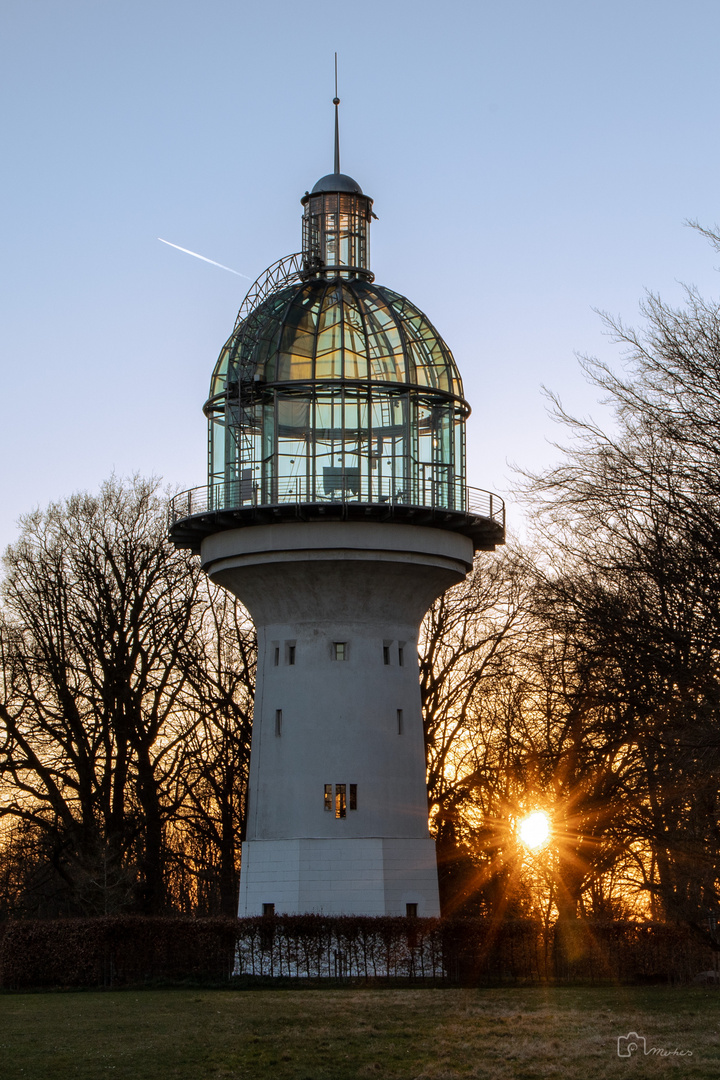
(309, 585)
(368, 876)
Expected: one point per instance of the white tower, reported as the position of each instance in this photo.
(336, 510)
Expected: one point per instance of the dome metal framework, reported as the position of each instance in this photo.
(337, 388)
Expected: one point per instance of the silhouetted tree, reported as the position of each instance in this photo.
(466, 643)
(107, 688)
(210, 825)
(636, 516)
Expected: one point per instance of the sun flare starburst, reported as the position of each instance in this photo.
(534, 830)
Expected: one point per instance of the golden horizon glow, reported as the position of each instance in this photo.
(534, 830)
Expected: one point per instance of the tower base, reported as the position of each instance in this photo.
(346, 876)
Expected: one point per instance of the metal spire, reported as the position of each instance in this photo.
(336, 102)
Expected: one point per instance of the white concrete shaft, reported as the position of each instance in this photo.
(319, 720)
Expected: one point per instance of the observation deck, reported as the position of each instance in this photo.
(203, 511)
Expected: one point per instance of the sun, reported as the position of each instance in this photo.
(534, 830)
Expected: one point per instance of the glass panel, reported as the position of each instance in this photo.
(329, 328)
(298, 341)
(293, 417)
(355, 364)
(217, 448)
(328, 365)
(381, 313)
(266, 359)
(422, 373)
(219, 375)
(387, 461)
(351, 310)
(384, 348)
(442, 380)
(300, 367)
(268, 493)
(354, 338)
(294, 439)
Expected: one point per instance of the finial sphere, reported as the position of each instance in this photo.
(336, 101)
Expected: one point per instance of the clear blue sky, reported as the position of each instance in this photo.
(529, 161)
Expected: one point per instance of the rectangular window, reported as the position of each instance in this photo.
(401, 655)
(291, 654)
(278, 723)
(328, 796)
(277, 655)
(411, 911)
(340, 807)
(340, 650)
(400, 721)
(353, 796)
(268, 909)
(386, 654)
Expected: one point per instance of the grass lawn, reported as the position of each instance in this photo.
(343, 1034)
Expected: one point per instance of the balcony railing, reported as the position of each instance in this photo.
(338, 488)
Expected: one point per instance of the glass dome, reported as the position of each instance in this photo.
(336, 388)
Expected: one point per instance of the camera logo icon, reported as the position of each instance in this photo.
(627, 1043)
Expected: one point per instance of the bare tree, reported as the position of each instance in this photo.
(636, 513)
(210, 825)
(470, 638)
(99, 613)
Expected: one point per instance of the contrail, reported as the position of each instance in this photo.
(211, 261)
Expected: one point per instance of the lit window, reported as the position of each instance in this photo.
(353, 796)
(341, 650)
(328, 796)
(386, 654)
(400, 721)
(340, 807)
(278, 723)
(291, 654)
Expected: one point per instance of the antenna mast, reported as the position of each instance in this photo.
(336, 102)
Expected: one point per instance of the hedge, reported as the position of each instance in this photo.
(115, 951)
(133, 950)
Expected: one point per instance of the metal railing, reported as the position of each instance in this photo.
(338, 490)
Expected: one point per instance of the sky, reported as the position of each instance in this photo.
(530, 162)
